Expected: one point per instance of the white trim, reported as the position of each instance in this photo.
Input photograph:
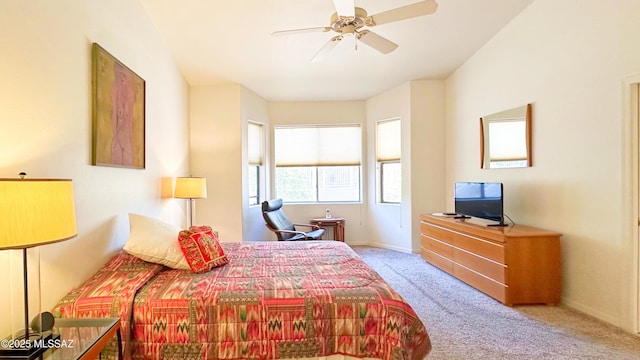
(591, 311)
(631, 185)
(390, 247)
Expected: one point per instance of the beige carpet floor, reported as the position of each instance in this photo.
(463, 323)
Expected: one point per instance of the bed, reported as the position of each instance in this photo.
(273, 300)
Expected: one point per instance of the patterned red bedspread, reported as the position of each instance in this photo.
(273, 300)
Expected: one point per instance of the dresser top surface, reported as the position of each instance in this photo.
(497, 232)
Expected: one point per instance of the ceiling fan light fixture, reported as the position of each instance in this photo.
(349, 19)
(339, 23)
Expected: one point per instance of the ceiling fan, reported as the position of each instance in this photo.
(351, 20)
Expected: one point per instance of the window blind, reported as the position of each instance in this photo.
(388, 140)
(254, 138)
(318, 145)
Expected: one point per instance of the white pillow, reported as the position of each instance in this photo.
(155, 241)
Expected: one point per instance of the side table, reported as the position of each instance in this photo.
(85, 338)
(336, 222)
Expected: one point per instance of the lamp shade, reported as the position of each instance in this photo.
(190, 188)
(35, 212)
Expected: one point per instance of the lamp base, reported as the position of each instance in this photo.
(23, 349)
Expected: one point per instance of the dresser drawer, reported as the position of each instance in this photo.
(481, 265)
(438, 261)
(495, 290)
(437, 232)
(480, 247)
(437, 246)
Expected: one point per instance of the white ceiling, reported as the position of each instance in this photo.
(222, 41)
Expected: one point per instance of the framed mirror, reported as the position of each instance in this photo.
(505, 139)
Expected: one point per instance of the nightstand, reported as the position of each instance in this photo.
(84, 339)
(335, 222)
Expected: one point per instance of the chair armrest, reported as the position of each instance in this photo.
(289, 231)
(314, 227)
(293, 232)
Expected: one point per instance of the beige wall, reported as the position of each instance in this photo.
(45, 122)
(256, 109)
(389, 224)
(219, 118)
(426, 153)
(216, 153)
(420, 107)
(570, 59)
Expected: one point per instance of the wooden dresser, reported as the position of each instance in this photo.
(515, 264)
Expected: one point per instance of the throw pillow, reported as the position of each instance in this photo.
(155, 241)
(201, 248)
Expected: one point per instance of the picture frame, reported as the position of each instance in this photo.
(118, 112)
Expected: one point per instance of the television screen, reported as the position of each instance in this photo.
(479, 199)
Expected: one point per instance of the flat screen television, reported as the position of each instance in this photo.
(479, 199)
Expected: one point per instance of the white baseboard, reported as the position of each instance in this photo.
(385, 246)
(576, 305)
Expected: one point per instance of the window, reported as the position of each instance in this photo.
(316, 163)
(389, 167)
(254, 139)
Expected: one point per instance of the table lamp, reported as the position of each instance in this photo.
(190, 188)
(34, 212)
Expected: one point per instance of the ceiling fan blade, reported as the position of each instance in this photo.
(301, 31)
(376, 41)
(421, 8)
(345, 7)
(326, 49)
